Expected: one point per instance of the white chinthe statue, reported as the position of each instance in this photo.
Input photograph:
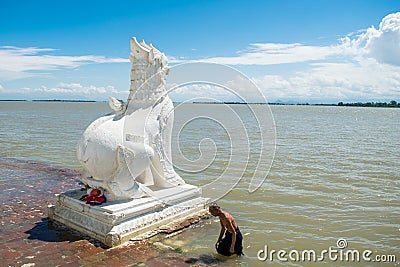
(128, 152)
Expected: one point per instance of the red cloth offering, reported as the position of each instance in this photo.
(95, 197)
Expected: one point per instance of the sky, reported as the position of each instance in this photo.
(323, 51)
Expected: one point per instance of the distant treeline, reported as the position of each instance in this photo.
(391, 104)
(61, 100)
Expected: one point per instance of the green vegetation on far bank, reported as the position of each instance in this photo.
(391, 104)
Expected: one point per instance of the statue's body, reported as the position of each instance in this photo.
(128, 152)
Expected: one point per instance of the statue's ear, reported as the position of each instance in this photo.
(116, 105)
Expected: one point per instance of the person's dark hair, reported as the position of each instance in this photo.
(214, 206)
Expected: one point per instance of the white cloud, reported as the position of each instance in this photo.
(70, 91)
(228, 86)
(1, 88)
(270, 54)
(362, 66)
(17, 62)
(382, 44)
(363, 80)
(198, 92)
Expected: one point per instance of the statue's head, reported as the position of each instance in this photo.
(146, 52)
(149, 68)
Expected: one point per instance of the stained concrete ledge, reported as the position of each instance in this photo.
(114, 223)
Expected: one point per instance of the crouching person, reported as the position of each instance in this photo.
(231, 243)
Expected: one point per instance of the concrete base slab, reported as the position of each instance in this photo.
(114, 223)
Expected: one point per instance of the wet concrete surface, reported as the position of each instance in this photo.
(28, 238)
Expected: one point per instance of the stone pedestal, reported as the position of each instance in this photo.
(114, 223)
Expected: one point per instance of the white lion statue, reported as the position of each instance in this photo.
(127, 153)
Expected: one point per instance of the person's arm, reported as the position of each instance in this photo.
(232, 250)
(233, 232)
(221, 234)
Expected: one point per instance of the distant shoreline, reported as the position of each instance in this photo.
(46, 100)
(59, 100)
(391, 104)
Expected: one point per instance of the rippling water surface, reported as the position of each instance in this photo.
(335, 173)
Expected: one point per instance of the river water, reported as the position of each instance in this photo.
(334, 174)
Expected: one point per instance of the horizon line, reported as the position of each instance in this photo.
(391, 103)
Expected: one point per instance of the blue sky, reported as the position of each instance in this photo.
(304, 51)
